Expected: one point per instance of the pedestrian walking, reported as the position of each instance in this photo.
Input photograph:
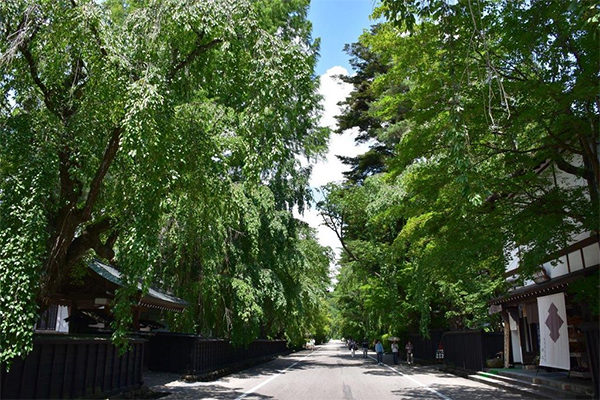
(395, 352)
(354, 347)
(379, 351)
(365, 347)
(409, 352)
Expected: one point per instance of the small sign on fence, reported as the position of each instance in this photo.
(439, 354)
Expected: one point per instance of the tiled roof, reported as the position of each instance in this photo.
(154, 298)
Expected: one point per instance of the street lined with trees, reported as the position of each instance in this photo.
(167, 139)
(476, 112)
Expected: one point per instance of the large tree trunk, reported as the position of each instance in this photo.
(65, 249)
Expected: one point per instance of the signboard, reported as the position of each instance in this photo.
(554, 335)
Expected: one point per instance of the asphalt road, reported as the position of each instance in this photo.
(329, 373)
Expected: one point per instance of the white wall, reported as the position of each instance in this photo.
(591, 253)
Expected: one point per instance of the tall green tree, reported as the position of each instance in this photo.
(491, 130)
(122, 120)
(501, 104)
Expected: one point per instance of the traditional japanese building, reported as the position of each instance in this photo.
(544, 314)
(546, 322)
(84, 306)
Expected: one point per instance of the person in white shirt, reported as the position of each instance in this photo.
(395, 352)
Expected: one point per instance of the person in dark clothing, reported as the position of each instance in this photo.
(365, 347)
(409, 352)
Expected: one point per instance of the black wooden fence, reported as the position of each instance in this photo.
(425, 348)
(592, 338)
(470, 349)
(73, 367)
(191, 354)
(462, 349)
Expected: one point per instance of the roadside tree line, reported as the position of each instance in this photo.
(163, 137)
(463, 103)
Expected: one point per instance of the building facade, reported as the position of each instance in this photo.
(547, 323)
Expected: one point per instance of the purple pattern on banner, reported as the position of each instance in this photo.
(554, 322)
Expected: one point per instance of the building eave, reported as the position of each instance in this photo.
(542, 289)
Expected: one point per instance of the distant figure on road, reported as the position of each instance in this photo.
(365, 347)
(409, 352)
(379, 351)
(353, 346)
(395, 352)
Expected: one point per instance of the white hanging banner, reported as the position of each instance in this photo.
(517, 353)
(554, 335)
(61, 324)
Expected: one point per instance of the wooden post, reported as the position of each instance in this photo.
(136, 318)
(506, 324)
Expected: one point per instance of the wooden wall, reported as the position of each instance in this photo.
(191, 354)
(73, 367)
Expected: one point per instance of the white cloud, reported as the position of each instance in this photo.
(329, 168)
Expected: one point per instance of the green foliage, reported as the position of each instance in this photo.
(163, 137)
(467, 103)
(587, 292)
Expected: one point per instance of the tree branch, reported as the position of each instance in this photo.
(98, 41)
(333, 226)
(501, 150)
(33, 70)
(569, 168)
(90, 239)
(199, 49)
(107, 159)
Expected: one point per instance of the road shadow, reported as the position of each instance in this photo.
(380, 372)
(263, 370)
(457, 392)
(152, 378)
(210, 391)
(175, 388)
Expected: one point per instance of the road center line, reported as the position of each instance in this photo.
(255, 388)
(415, 381)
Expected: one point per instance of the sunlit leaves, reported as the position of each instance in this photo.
(181, 124)
(470, 106)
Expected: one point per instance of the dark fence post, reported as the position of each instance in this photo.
(423, 348)
(72, 367)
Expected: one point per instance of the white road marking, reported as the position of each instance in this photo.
(416, 381)
(255, 388)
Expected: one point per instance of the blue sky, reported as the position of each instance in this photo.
(338, 22)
